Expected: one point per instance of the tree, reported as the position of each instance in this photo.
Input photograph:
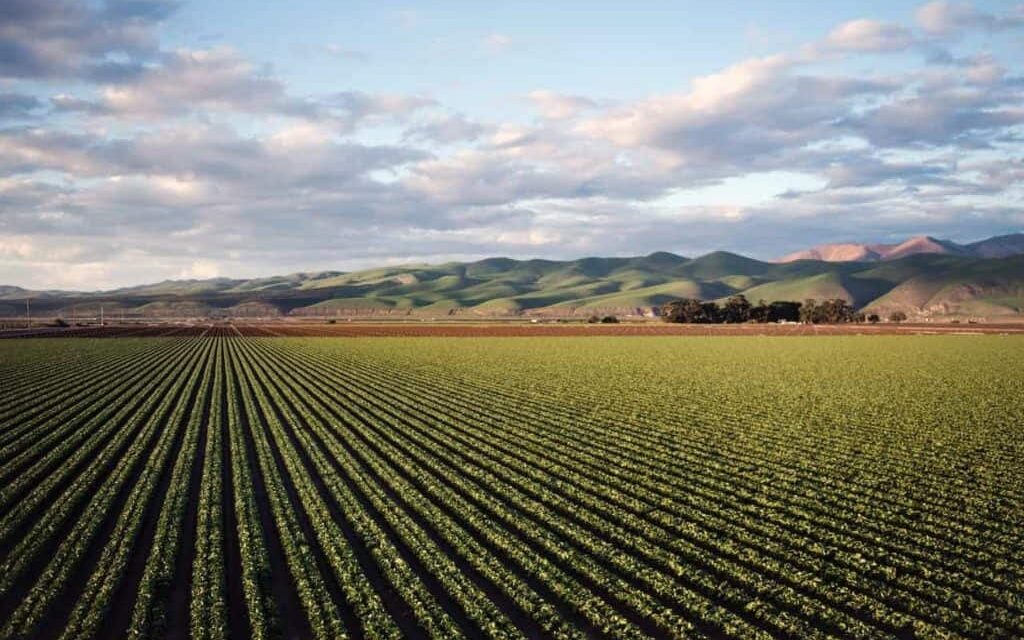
(674, 311)
(710, 313)
(689, 311)
(897, 316)
(736, 309)
(760, 312)
(809, 313)
(831, 311)
(836, 310)
(609, 320)
(594, 319)
(873, 318)
(784, 311)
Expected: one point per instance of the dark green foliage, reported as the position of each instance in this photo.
(832, 311)
(231, 487)
(691, 311)
(736, 309)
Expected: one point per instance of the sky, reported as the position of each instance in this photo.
(143, 140)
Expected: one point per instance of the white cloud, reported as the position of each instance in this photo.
(38, 149)
(446, 129)
(188, 80)
(161, 191)
(559, 106)
(200, 270)
(985, 70)
(941, 17)
(868, 36)
(351, 108)
(303, 135)
(61, 38)
(752, 112)
(203, 162)
(20, 247)
(945, 18)
(220, 80)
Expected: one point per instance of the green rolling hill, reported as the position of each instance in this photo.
(920, 284)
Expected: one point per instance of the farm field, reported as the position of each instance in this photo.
(219, 486)
(508, 329)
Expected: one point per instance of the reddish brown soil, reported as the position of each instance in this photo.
(125, 331)
(624, 329)
(486, 330)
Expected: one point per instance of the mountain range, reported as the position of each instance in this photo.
(997, 247)
(922, 276)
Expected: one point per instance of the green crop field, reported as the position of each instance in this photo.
(697, 487)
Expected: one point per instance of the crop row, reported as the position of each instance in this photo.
(222, 486)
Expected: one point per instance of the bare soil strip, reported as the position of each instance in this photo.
(413, 329)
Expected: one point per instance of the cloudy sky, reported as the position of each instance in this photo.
(150, 139)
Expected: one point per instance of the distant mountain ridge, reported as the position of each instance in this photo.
(997, 247)
(922, 277)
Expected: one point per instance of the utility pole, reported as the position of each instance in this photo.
(101, 315)
(28, 314)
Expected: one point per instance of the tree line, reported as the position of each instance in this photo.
(737, 309)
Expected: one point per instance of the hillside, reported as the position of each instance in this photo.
(933, 284)
(997, 247)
